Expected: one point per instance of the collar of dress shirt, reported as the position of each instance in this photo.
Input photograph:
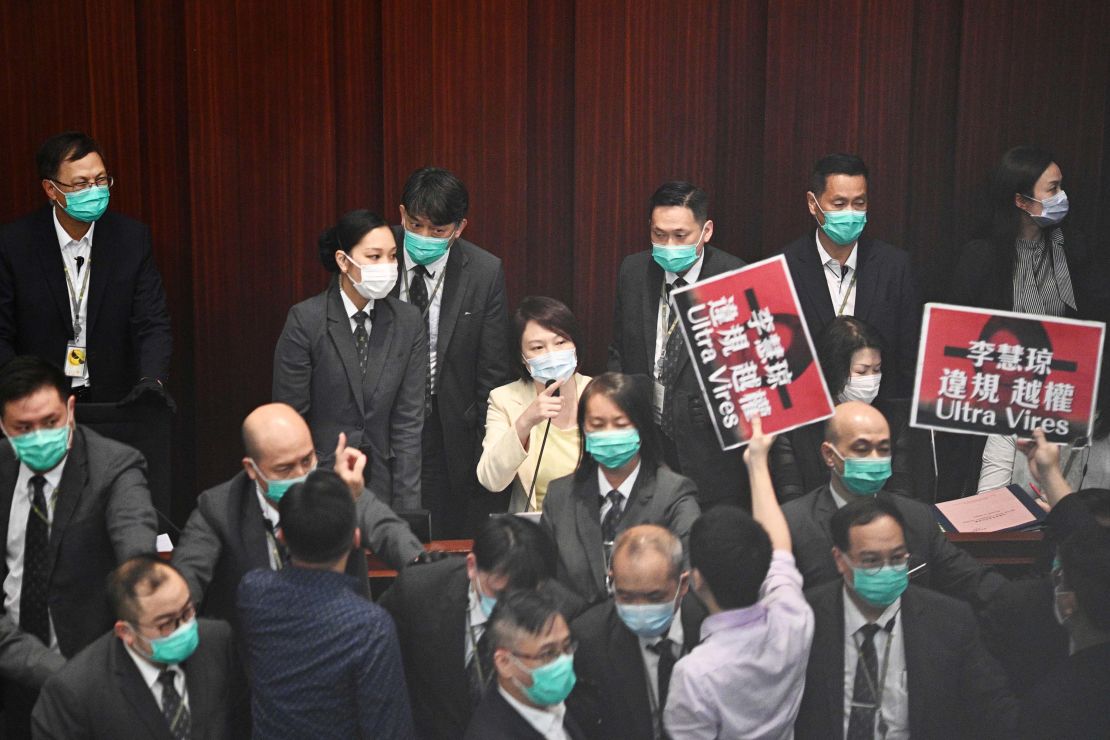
(433, 268)
(854, 618)
(839, 500)
(692, 274)
(64, 239)
(624, 489)
(824, 256)
(53, 479)
(150, 672)
(269, 513)
(350, 307)
(477, 616)
(544, 720)
(732, 619)
(674, 634)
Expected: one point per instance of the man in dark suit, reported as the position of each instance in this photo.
(647, 341)
(161, 673)
(105, 324)
(233, 529)
(72, 505)
(442, 609)
(857, 451)
(874, 282)
(533, 654)
(323, 661)
(460, 291)
(917, 668)
(628, 645)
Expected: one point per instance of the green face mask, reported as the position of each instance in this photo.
(43, 449)
(177, 646)
(551, 683)
(883, 587)
(864, 476)
(613, 448)
(87, 205)
(424, 250)
(275, 489)
(843, 227)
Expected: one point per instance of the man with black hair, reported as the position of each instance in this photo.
(74, 505)
(889, 659)
(161, 672)
(745, 678)
(442, 610)
(105, 324)
(324, 662)
(874, 283)
(460, 290)
(647, 340)
(533, 656)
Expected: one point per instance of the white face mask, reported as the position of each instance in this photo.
(1053, 209)
(376, 280)
(861, 388)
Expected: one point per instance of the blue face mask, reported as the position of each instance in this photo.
(864, 476)
(613, 448)
(424, 250)
(275, 489)
(177, 646)
(881, 588)
(557, 365)
(551, 683)
(485, 603)
(647, 620)
(843, 227)
(676, 259)
(86, 205)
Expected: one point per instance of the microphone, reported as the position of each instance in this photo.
(539, 458)
(80, 263)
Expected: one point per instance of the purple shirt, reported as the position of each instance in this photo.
(746, 677)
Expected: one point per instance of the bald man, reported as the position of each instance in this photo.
(857, 451)
(233, 529)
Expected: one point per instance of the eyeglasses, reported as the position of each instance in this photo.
(168, 625)
(872, 565)
(551, 653)
(104, 181)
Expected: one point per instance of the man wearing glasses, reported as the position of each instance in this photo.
(161, 672)
(78, 283)
(534, 659)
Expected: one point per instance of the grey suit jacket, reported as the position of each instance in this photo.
(316, 371)
(571, 515)
(226, 536)
(102, 517)
(101, 694)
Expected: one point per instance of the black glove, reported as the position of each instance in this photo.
(430, 556)
(149, 391)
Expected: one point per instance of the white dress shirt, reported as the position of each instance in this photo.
(351, 309)
(839, 279)
(17, 534)
(434, 283)
(651, 662)
(273, 516)
(547, 721)
(150, 673)
(895, 701)
(71, 250)
(624, 489)
(664, 319)
(476, 622)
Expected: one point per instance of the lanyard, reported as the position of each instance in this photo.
(666, 315)
(431, 296)
(877, 691)
(851, 287)
(77, 300)
(477, 655)
(271, 539)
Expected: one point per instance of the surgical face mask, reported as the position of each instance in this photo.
(1053, 209)
(843, 227)
(881, 588)
(557, 365)
(86, 205)
(485, 603)
(424, 250)
(276, 489)
(864, 476)
(648, 620)
(375, 280)
(42, 449)
(676, 259)
(177, 646)
(551, 683)
(613, 448)
(861, 388)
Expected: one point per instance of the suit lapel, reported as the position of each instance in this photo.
(9, 471)
(638, 501)
(49, 255)
(811, 281)
(918, 676)
(252, 532)
(339, 329)
(653, 285)
(586, 512)
(832, 658)
(631, 677)
(137, 693)
(458, 601)
(100, 259)
(74, 479)
(823, 509)
(455, 284)
(865, 282)
(381, 338)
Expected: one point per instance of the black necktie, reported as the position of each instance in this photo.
(173, 709)
(665, 649)
(34, 615)
(418, 296)
(612, 517)
(861, 722)
(668, 363)
(362, 338)
(280, 550)
(480, 668)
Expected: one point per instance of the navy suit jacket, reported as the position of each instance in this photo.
(129, 326)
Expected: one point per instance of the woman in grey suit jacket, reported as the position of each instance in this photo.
(353, 359)
(621, 466)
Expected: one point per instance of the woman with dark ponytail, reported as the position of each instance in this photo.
(351, 360)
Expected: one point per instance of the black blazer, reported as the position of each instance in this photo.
(495, 719)
(720, 476)
(129, 326)
(886, 298)
(948, 568)
(610, 699)
(101, 694)
(955, 688)
(472, 352)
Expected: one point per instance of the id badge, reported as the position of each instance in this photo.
(76, 358)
